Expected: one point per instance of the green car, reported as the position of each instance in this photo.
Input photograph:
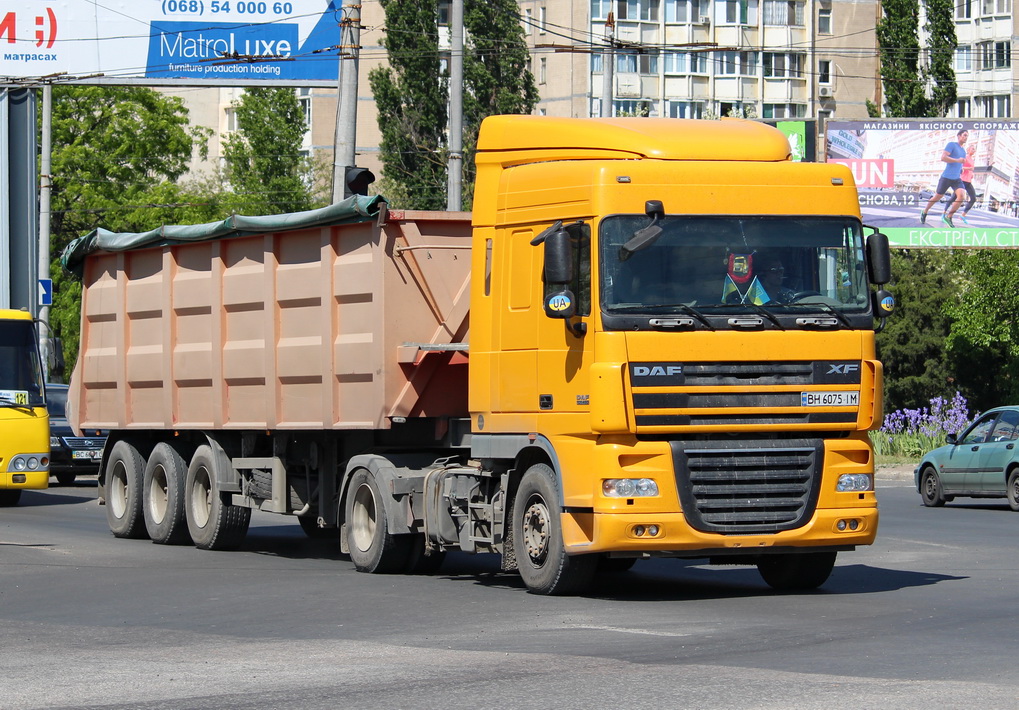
(981, 462)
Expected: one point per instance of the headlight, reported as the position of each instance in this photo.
(855, 483)
(33, 463)
(19, 463)
(54, 442)
(629, 487)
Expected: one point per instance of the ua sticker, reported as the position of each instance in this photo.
(559, 303)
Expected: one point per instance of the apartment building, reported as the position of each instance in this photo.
(983, 59)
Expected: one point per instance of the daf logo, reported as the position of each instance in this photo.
(658, 371)
(845, 369)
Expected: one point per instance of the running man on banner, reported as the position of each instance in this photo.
(951, 178)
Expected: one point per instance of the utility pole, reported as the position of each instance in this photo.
(608, 67)
(346, 108)
(454, 170)
(45, 191)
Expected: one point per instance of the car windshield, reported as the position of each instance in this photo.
(20, 372)
(732, 264)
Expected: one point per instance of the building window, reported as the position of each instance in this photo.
(596, 63)
(684, 63)
(994, 55)
(649, 10)
(962, 108)
(783, 12)
(304, 99)
(735, 12)
(783, 66)
(542, 70)
(542, 20)
(627, 9)
(685, 109)
(636, 107)
(736, 63)
(444, 12)
(784, 110)
(964, 59)
(963, 9)
(231, 119)
(824, 21)
(600, 9)
(993, 106)
(996, 7)
(824, 71)
(686, 10)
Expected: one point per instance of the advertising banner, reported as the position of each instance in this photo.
(203, 41)
(900, 169)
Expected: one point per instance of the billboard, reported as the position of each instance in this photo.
(223, 42)
(897, 165)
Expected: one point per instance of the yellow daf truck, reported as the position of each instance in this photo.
(651, 338)
(24, 422)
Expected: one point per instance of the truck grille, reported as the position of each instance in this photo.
(85, 442)
(685, 393)
(748, 487)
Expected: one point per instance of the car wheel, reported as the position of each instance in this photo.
(124, 469)
(163, 498)
(930, 488)
(1012, 489)
(212, 523)
(372, 547)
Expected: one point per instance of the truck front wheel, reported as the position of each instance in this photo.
(796, 571)
(213, 524)
(125, 467)
(372, 547)
(538, 538)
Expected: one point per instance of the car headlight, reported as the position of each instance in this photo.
(855, 483)
(629, 487)
(54, 442)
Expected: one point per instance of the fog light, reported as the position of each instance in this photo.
(629, 487)
(854, 524)
(638, 530)
(855, 483)
(841, 525)
(19, 478)
(652, 530)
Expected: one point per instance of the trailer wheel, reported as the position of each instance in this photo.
(163, 499)
(372, 547)
(125, 467)
(538, 539)
(213, 524)
(796, 572)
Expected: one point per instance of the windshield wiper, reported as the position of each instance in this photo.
(14, 405)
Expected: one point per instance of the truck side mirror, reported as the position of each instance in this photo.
(879, 260)
(558, 258)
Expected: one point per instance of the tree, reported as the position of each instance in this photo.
(411, 96)
(412, 93)
(905, 78)
(496, 75)
(916, 363)
(117, 155)
(985, 326)
(264, 165)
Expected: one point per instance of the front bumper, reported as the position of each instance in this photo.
(33, 479)
(585, 533)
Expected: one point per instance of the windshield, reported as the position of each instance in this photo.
(734, 263)
(20, 371)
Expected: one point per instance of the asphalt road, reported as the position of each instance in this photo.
(924, 617)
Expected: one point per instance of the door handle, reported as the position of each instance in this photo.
(975, 448)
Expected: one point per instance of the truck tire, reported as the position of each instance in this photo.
(125, 467)
(163, 496)
(213, 524)
(796, 571)
(538, 539)
(372, 547)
